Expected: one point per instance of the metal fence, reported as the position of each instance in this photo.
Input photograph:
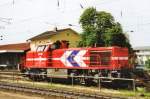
(16, 77)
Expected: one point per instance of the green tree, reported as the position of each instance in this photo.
(100, 29)
(88, 20)
(147, 63)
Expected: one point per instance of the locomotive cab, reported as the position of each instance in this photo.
(38, 61)
(56, 45)
(60, 44)
(41, 58)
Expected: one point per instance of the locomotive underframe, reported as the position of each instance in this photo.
(81, 76)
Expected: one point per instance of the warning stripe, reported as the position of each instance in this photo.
(83, 58)
(119, 58)
(36, 59)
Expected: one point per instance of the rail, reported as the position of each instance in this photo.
(55, 92)
(17, 77)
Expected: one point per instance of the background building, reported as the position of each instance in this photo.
(11, 54)
(143, 54)
(52, 36)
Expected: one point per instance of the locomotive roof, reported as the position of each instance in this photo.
(92, 48)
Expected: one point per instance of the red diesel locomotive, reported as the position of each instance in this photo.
(57, 59)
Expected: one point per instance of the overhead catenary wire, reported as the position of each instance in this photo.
(13, 2)
(142, 24)
(4, 4)
(5, 18)
(5, 21)
(81, 6)
(37, 17)
(58, 3)
(2, 27)
(106, 2)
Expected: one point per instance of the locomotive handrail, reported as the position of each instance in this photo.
(71, 76)
(50, 75)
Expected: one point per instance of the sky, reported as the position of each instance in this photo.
(23, 19)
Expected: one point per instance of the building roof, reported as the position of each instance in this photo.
(144, 48)
(20, 47)
(50, 33)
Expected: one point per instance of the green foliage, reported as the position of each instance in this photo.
(100, 29)
(88, 19)
(111, 34)
(91, 33)
(147, 63)
(118, 39)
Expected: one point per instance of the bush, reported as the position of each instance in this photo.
(147, 63)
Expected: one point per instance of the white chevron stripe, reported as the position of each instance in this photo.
(55, 58)
(64, 58)
(79, 58)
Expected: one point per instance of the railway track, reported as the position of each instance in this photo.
(55, 92)
(9, 71)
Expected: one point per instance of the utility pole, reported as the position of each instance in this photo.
(1, 37)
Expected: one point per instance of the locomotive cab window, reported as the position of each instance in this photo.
(41, 48)
(100, 58)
